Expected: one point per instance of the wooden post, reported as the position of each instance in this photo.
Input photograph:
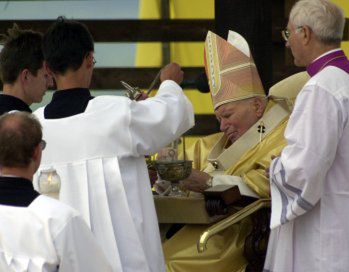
(166, 50)
(251, 19)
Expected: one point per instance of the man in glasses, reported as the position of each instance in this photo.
(22, 72)
(309, 181)
(97, 146)
(37, 233)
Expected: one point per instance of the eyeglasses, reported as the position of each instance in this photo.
(94, 61)
(42, 144)
(286, 33)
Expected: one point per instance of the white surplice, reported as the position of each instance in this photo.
(45, 235)
(310, 181)
(99, 156)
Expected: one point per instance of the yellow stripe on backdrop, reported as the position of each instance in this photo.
(344, 4)
(184, 53)
(189, 54)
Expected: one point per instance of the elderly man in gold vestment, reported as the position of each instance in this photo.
(252, 128)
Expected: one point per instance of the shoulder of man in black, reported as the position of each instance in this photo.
(9, 103)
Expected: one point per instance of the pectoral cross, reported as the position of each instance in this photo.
(261, 130)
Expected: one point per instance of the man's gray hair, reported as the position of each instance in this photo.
(324, 18)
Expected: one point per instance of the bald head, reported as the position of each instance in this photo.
(20, 134)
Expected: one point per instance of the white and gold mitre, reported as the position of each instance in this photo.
(230, 69)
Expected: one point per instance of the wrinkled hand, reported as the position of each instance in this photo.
(267, 170)
(196, 181)
(173, 72)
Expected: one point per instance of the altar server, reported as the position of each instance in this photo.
(37, 233)
(97, 146)
(25, 79)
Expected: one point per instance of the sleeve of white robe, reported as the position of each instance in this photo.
(78, 249)
(312, 135)
(157, 121)
(234, 180)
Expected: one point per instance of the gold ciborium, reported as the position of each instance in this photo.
(173, 171)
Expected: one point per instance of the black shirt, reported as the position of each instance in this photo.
(9, 103)
(67, 103)
(16, 191)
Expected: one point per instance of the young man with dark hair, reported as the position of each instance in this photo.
(23, 75)
(89, 138)
(37, 232)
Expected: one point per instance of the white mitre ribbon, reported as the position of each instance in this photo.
(236, 40)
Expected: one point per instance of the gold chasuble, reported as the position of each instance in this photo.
(232, 76)
(247, 158)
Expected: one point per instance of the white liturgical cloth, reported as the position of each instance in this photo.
(46, 235)
(99, 155)
(310, 181)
